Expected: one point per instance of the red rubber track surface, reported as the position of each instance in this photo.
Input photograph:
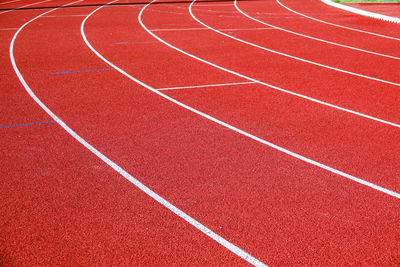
(314, 50)
(389, 9)
(20, 4)
(64, 206)
(321, 11)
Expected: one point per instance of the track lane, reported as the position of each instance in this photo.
(387, 9)
(12, 18)
(340, 18)
(81, 224)
(112, 100)
(16, 107)
(340, 93)
(34, 4)
(63, 206)
(308, 36)
(362, 149)
(339, 59)
(272, 13)
(219, 122)
(364, 12)
(4, 3)
(169, 138)
(16, 4)
(334, 136)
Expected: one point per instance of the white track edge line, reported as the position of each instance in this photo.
(202, 86)
(233, 248)
(290, 56)
(311, 37)
(295, 155)
(362, 12)
(337, 25)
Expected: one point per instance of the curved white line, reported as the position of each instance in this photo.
(311, 37)
(17, 8)
(281, 89)
(239, 252)
(362, 12)
(290, 56)
(337, 25)
(224, 124)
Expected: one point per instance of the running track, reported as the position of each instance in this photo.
(276, 133)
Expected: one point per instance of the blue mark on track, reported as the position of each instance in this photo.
(27, 124)
(77, 71)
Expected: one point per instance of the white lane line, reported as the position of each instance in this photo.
(9, 2)
(202, 86)
(275, 87)
(362, 12)
(203, 28)
(278, 88)
(241, 253)
(310, 161)
(8, 29)
(224, 124)
(180, 213)
(290, 56)
(337, 25)
(311, 37)
(17, 8)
